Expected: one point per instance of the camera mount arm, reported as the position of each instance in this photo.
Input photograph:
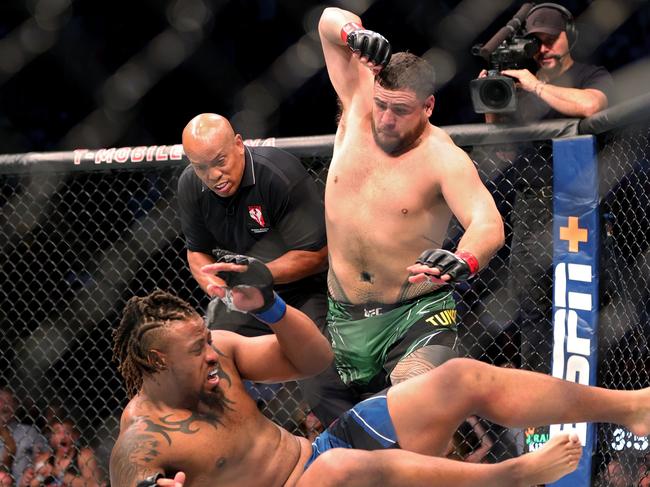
(506, 32)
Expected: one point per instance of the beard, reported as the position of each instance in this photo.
(215, 399)
(395, 145)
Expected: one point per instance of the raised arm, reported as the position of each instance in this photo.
(341, 34)
(297, 348)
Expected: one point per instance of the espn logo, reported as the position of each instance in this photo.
(571, 352)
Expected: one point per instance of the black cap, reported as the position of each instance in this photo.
(546, 20)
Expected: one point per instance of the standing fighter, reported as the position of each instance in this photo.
(191, 418)
(394, 182)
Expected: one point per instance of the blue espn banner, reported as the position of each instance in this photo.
(575, 280)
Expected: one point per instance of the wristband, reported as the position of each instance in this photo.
(472, 261)
(538, 88)
(347, 28)
(273, 314)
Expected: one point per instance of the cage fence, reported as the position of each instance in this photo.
(76, 245)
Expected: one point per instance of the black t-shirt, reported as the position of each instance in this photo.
(277, 208)
(532, 168)
(531, 108)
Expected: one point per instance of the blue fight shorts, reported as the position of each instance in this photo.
(367, 426)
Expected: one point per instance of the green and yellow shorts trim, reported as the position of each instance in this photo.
(370, 337)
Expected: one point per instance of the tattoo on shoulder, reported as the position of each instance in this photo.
(136, 455)
(164, 425)
(134, 459)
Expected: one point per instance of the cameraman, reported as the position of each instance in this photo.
(560, 88)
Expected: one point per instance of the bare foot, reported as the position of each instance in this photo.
(552, 461)
(639, 424)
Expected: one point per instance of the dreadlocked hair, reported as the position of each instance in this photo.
(143, 322)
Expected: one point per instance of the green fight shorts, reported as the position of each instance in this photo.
(367, 338)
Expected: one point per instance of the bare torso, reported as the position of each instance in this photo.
(382, 212)
(237, 446)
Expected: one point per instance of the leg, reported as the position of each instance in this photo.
(327, 395)
(395, 468)
(430, 341)
(427, 409)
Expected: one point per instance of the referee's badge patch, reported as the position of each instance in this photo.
(255, 212)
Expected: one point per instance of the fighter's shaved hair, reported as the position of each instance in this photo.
(408, 71)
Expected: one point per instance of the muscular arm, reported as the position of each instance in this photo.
(297, 264)
(135, 457)
(9, 451)
(298, 349)
(473, 205)
(572, 102)
(346, 73)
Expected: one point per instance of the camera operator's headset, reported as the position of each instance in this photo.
(569, 22)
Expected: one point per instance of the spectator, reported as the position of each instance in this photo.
(89, 470)
(644, 472)
(9, 447)
(27, 477)
(471, 442)
(28, 440)
(6, 480)
(616, 475)
(43, 468)
(62, 439)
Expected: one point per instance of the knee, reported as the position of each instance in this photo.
(339, 466)
(454, 369)
(461, 374)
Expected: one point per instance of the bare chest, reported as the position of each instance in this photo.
(366, 188)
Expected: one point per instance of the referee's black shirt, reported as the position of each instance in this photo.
(277, 208)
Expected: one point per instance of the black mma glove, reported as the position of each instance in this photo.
(367, 43)
(257, 275)
(460, 266)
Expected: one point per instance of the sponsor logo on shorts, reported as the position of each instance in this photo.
(446, 317)
(371, 312)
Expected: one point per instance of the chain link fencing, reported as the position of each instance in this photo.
(75, 246)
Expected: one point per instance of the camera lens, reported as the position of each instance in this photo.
(495, 93)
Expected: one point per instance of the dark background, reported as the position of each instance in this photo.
(61, 91)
